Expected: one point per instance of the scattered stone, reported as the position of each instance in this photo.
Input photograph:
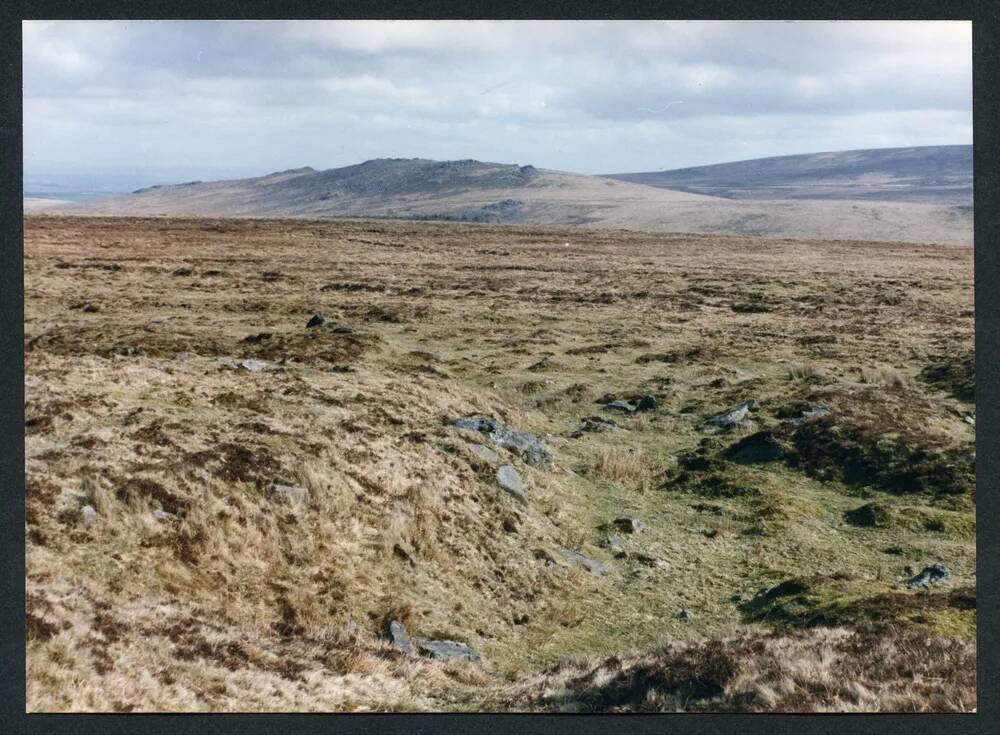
(342, 330)
(162, 515)
(91, 308)
(620, 406)
(485, 453)
(685, 614)
(615, 543)
(316, 321)
(933, 574)
(254, 366)
(510, 482)
(528, 446)
(594, 424)
(809, 415)
(629, 525)
(970, 419)
(759, 447)
(735, 415)
(593, 566)
(446, 650)
(88, 515)
(400, 640)
(288, 493)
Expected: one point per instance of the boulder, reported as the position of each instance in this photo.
(628, 525)
(933, 574)
(759, 447)
(510, 481)
(398, 636)
(592, 565)
(288, 493)
(446, 650)
(646, 403)
(734, 416)
(316, 321)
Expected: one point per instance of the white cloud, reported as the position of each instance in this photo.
(580, 95)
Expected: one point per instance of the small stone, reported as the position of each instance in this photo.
(446, 650)
(594, 424)
(398, 636)
(316, 321)
(88, 515)
(933, 574)
(288, 493)
(510, 481)
(629, 525)
(342, 330)
(615, 543)
(91, 308)
(162, 515)
(970, 419)
(734, 415)
(254, 366)
(593, 566)
(685, 614)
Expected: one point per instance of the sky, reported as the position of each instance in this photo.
(161, 101)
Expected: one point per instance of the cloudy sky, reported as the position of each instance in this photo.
(171, 101)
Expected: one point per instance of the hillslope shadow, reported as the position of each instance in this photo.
(927, 174)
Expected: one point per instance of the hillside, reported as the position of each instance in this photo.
(246, 456)
(474, 191)
(928, 174)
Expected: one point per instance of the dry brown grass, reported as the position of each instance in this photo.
(242, 602)
(820, 670)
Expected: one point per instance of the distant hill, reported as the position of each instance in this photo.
(928, 174)
(476, 191)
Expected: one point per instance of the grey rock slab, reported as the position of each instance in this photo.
(400, 640)
(528, 446)
(288, 493)
(734, 415)
(446, 650)
(510, 482)
(592, 565)
(933, 574)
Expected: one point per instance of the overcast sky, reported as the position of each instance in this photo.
(171, 101)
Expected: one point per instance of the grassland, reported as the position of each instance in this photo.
(193, 589)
